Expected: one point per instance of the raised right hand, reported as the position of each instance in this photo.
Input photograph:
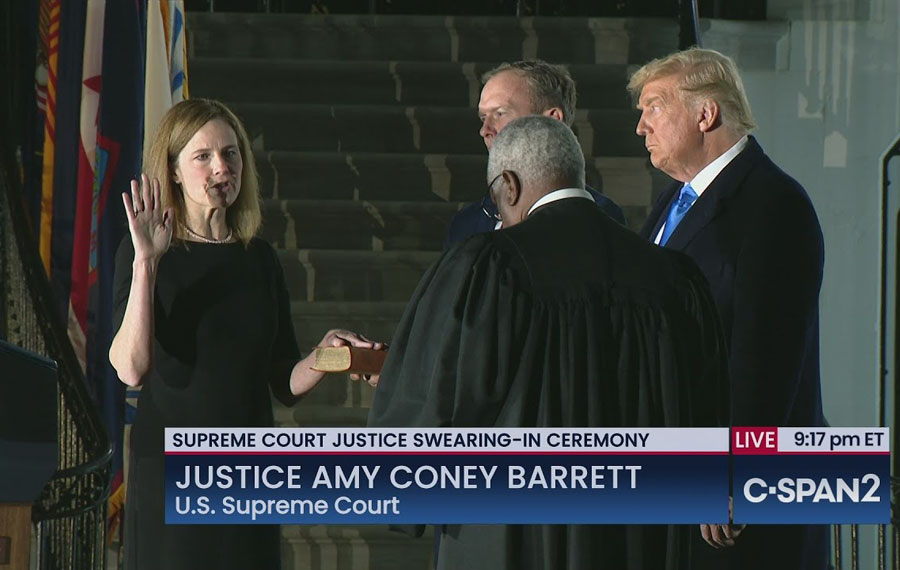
(150, 227)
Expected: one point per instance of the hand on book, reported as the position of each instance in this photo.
(337, 338)
(340, 337)
(307, 373)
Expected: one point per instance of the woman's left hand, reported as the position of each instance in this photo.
(339, 337)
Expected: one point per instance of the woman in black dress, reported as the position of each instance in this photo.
(203, 323)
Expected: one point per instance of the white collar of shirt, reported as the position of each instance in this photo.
(560, 194)
(705, 177)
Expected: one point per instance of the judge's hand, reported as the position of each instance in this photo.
(150, 226)
(370, 379)
(722, 535)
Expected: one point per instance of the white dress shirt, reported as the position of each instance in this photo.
(560, 194)
(706, 176)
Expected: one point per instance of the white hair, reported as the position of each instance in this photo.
(538, 149)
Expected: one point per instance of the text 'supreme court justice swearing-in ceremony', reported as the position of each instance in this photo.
(450, 285)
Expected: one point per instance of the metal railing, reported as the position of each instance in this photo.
(885, 406)
(70, 515)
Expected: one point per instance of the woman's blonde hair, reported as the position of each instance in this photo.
(702, 74)
(176, 129)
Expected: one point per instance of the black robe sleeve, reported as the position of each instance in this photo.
(446, 353)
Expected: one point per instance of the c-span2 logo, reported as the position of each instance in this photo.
(811, 475)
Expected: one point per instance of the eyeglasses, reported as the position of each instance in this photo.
(487, 203)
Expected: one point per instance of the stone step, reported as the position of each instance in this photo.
(398, 129)
(336, 402)
(337, 547)
(411, 177)
(375, 320)
(377, 176)
(354, 547)
(445, 84)
(363, 225)
(428, 38)
(336, 275)
(389, 226)
(307, 414)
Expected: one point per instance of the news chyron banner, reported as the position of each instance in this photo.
(444, 475)
(811, 475)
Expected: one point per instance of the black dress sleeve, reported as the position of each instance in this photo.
(285, 352)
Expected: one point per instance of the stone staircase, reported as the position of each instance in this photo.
(365, 134)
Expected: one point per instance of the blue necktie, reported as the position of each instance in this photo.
(679, 209)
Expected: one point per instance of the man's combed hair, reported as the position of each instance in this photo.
(177, 128)
(537, 149)
(703, 74)
(549, 85)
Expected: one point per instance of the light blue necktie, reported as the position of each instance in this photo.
(679, 209)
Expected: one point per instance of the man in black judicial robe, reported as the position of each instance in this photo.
(562, 318)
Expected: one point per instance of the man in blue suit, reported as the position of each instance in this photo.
(514, 90)
(754, 234)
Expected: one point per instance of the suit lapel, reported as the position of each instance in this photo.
(659, 212)
(715, 197)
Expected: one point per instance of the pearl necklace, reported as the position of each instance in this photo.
(205, 239)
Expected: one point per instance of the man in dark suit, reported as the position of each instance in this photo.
(514, 90)
(753, 232)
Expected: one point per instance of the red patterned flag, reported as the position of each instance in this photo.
(84, 250)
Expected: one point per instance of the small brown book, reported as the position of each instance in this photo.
(349, 359)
